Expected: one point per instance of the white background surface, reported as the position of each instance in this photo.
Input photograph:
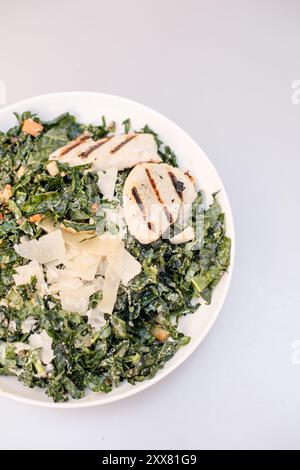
(223, 71)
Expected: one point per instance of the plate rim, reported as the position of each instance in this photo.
(106, 399)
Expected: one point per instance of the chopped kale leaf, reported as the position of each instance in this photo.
(142, 334)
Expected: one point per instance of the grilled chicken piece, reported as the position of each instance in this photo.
(72, 150)
(126, 151)
(153, 197)
(120, 151)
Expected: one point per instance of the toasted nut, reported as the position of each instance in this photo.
(160, 333)
(35, 218)
(52, 168)
(6, 194)
(31, 127)
(94, 207)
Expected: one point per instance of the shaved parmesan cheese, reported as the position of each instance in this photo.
(131, 268)
(70, 254)
(48, 248)
(84, 266)
(12, 326)
(185, 236)
(107, 182)
(76, 300)
(43, 342)
(78, 240)
(102, 266)
(28, 324)
(96, 319)
(91, 256)
(101, 246)
(52, 274)
(82, 241)
(47, 225)
(113, 275)
(20, 347)
(98, 284)
(25, 274)
(65, 284)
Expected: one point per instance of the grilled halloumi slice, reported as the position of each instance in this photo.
(153, 196)
(120, 151)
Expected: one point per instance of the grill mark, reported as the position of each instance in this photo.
(94, 147)
(126, 141)
(73, 145)
(141, 206)
(138, 200)
(168, 215)
(189, 176)
(155, 189)
(175, 182)
(151, 226)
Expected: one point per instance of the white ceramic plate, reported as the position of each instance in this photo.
(89, 107)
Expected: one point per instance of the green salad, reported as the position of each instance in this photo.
(92, 283)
